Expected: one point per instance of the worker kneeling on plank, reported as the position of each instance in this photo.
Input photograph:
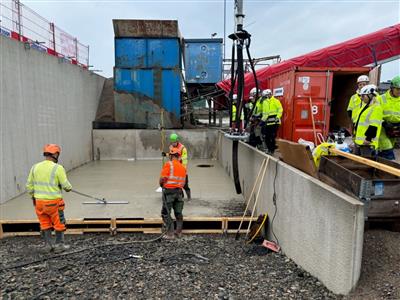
(390, 103)
(271, 119)
(45, 183)
(355, 102)
(234, 111)
(172, 180)
(367, 127)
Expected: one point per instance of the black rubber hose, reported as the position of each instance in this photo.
(239, 105)
(255, 78)
(233, 80)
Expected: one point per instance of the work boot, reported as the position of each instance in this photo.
(60, 246)
(48, 243)
(179, 225)
(169, 235)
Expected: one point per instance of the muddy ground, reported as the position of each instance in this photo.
(194, 267)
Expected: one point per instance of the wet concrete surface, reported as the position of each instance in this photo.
(213, 192)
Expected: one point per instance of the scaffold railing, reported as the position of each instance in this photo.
(18, 21)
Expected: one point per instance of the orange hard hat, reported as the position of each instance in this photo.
(174, 151)
(51, 148)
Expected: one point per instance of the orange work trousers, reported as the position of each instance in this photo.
(50, 214)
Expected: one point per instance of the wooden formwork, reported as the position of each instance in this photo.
(191, 225)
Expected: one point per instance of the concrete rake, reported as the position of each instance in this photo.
(101, 201)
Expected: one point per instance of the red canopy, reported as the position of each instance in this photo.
(361, 51)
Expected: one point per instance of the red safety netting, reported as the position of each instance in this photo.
(361, 51)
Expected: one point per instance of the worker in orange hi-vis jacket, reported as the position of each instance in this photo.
(172, 181)
(45, 182)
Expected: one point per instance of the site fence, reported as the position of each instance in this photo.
(18, 21)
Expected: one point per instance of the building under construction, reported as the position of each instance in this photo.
(258, 225)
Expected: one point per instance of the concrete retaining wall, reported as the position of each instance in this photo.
(147, 144)
(43, 100)
(318, 227)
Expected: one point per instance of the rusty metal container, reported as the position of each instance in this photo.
(379, 190)
(146, 28)
(147, 53)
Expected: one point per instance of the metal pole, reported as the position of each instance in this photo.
(54, 36)
(76, 49)
(18, 4)
(224, 29)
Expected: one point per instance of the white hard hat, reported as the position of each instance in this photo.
(363, 78)
(368, 89)
(234, 97)
(266, 92)
(253, 91)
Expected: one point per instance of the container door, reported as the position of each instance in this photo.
(163, 53)
(130, 53)
(311, 103)
(134, 81)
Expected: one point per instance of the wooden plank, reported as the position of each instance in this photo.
(366, 161)
(138, 229)
(298, 156)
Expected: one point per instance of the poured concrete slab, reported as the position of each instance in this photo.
(213, 192)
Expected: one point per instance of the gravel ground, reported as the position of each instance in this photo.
(194, 267)
(380, 273)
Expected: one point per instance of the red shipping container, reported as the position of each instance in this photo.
(328, 89)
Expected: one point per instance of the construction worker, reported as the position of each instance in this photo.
(234, 109)
(172, 180)
(183, 158)
(271, 119)
(390, 102)
(355, 102)
(45, 183)
(368, 124)
(255, 105)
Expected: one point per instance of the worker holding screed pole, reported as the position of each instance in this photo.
(368, 125)
(45, 182)
(172, 181)
(183, 158)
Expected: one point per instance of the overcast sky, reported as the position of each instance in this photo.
(287, 28)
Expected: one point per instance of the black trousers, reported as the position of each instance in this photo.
(269, 134)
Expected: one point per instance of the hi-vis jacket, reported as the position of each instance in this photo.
(272, 107)
(173, 175)
(46, 180)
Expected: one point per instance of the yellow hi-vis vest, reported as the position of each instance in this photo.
(391, 114)
(46, 179)
(271, 107)
(234, 114)
(372, 116)
(354, 102)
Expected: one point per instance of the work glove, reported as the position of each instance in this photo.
(163, 154)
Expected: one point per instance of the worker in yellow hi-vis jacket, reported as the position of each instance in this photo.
(45, 182)
(271, 119)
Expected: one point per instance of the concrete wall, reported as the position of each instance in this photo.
(43, 100)
(318, 227)
(147, 144)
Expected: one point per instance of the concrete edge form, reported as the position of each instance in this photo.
(317, 226)
(140, 144)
